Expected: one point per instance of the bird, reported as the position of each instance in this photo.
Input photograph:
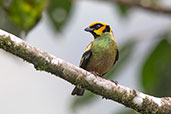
(101, 54)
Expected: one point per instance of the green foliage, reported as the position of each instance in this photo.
(1, 2)
(59, 11)
(7, 25)
(123, 9)
(156, 72)
(19, 16)
(26, 13)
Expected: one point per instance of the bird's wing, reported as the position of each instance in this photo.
(117, 56)
(86, 56)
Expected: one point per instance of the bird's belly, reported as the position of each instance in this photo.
(101, 64)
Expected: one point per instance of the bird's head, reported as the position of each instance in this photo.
(98, 28)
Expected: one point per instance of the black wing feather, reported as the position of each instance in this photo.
(85, 58)
(117, 56)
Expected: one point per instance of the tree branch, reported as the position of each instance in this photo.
(145, 4)
(44, 61)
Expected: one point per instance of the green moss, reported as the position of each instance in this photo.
(8, 45)
(5, 43)
(41, 65)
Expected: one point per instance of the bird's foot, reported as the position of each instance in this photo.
(95, 73)
(116, 82)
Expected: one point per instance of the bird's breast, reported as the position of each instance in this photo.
(103, 57)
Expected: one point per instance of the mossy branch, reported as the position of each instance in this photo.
(44, 61)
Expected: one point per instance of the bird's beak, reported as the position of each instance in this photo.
(88, 29)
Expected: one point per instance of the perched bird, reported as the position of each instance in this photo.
(101, 54)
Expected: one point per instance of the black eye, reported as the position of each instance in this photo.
(97, 26)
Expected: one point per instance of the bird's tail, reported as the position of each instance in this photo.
(77, 91)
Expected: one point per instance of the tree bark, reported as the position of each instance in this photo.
(44, 61)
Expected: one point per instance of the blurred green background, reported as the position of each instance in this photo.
(57, 26)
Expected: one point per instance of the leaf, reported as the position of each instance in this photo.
(59, 11)
(1, 2)
(156, 71)
(123, 9)
(25, 13)
(7, 25)
(124, 54)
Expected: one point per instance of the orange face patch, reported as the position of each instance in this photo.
(100, 30)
